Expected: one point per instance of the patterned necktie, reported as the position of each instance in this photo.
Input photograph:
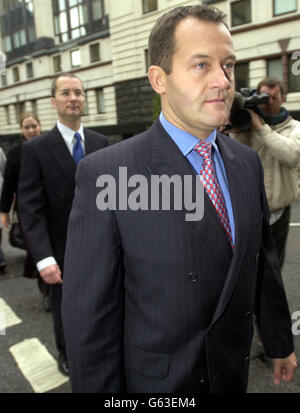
(212, 186)
(77, 149)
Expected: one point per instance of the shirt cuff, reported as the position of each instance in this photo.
(45, 263)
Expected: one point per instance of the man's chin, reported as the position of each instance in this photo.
(219, 120)
(73, 115)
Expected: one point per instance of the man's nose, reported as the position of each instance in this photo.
(220, 78)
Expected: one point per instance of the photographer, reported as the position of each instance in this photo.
(275, 136)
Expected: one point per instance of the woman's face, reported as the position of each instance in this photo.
(30, 128)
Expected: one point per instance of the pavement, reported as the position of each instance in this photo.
(23, 296)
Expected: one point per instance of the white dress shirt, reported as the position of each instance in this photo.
(68, 136)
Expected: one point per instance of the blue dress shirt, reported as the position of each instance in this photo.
(186, 143)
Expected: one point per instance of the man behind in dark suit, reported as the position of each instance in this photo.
(153, 301)
(46, 189)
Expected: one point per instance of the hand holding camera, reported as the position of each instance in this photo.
(245, 113)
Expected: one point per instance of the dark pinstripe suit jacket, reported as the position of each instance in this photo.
(46, 191)
(154, 303)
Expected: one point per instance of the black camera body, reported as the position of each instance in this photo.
(247, 98)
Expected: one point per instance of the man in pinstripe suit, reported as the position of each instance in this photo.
(46, 190)
(153, 302)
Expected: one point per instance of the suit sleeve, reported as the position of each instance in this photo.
(10, 181)
(272, 311)
(286, 151)
(2, 161)
(92, 305)
(32, 205)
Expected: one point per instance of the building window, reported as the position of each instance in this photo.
(94, 52)
(75, 57)
(274, 68)
(57, 63)
(7, 115)
(29, 70)
(294, 75)
(97, 9)
(17, 23)
(34, 106)
(3, 80)
(76, 18)
(284, 6)
(29, 6)
(16, 75)
(86, 107)
(19, 108)
(19, 38)
(149, 5)
(241, 74)
(240, 12)
(3, 7)
(147, 62)
(100, 101)
(70, 19)
(6, 44)
(97, 21)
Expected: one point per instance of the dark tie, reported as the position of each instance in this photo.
(77, 149)
(212, 186)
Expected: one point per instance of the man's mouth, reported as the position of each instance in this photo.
(215, 101)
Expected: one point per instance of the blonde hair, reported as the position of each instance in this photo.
(26, 115)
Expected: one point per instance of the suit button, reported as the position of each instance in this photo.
(62, 195)
(193, 276)
(257, 258)
(247, 314)
(202, 380)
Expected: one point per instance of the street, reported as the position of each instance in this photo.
(27, 349)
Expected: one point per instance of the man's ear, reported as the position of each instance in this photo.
(283, 98)
(157, 78)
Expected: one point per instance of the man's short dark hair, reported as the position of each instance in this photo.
(162, 39)
(271, 82)
(65, 74)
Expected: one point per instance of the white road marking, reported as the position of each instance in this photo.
(8, 317)
(37, 365)
(2, 324)
(294, 224)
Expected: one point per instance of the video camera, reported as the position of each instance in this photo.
(247, 98)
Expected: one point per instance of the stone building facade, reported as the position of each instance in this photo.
(104, 42)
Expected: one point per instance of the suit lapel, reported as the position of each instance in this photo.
(61, 154)
(90, 143)
(167, 159)
(241, 204)
(166, 156)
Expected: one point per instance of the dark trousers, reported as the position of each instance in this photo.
(29, 270)
(280, 232)
(55, 296)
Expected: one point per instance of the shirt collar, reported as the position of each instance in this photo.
(184, 140)
(68, 133)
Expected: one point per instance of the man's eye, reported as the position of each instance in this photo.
(229, 66)
(201, 65)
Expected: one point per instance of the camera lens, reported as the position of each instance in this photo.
(241, 119)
